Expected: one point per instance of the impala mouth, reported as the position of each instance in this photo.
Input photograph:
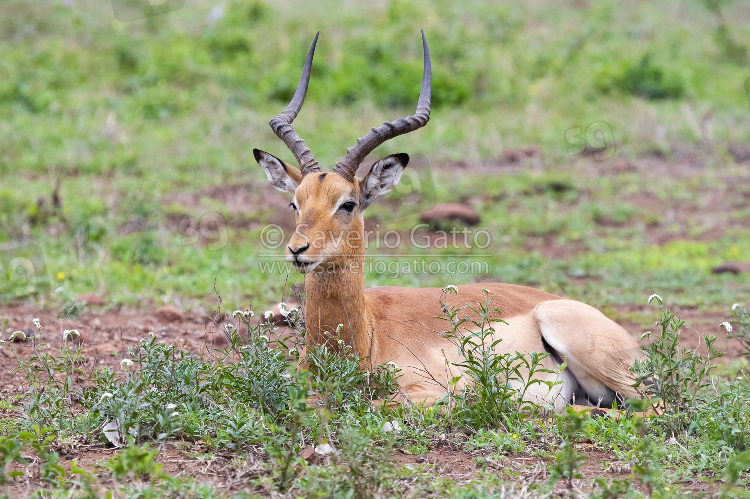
(302, 264)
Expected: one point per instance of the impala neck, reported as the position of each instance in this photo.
(338, 297)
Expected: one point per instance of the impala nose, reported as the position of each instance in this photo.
(299, 250)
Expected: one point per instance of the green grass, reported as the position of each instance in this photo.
(128, 118)
(247, 406)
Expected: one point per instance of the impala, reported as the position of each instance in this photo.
(400, 325)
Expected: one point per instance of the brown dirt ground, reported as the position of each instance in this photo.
(108, 332)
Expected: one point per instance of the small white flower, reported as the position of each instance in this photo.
(485, 290)
(735, 306)
(450, 288)
(268, 315)
(68, 332)
(18, 333)
(282, 309)
(243, 314)
(339, 328)
(174, 414)
(264, 337)
(228, 328)
(727, 326)
(391, 363)
(324, 449)
(169, 407)
(126, 364)
(292, 351)
(107, 395)
(647, 334)
(37, 323)
(655, 296)
(286, 376)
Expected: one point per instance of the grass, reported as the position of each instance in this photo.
(252, 405)
(137, 126)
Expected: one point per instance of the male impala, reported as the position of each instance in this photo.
(393, 324)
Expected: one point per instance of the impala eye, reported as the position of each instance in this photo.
(348, 206)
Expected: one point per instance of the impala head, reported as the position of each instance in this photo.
(328, 206)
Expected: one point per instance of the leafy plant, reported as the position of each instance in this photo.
(51, 379)
(643, 78)
(674, 375)
(567, 459)
(726, 418)
(741, 334)
(497, 382)
(736, 465)
(10, 452)
(137, 462)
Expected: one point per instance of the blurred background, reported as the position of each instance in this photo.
(602, 145)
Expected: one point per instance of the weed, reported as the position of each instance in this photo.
(366, 463)
(646, 79)
(741, 333)
(736, 465)
(726, 418)
(10, 451)
(567, 459)
(51, 380)
(675, 375)
(498, 382)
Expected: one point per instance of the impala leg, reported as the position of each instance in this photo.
(598, 351)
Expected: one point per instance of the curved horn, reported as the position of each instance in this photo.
(281, 123)
(347, 166)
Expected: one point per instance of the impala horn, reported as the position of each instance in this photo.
(281, 124)
(347, 166)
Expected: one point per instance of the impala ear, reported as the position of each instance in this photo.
(383, 176)
(282, 175)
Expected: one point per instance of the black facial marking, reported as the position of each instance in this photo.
(322, 176)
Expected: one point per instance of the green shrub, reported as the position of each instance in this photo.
(497, 383)
(643, 78)
(676, 376)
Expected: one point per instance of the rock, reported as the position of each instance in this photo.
(111, 432)
(453, 212)
(169, 313)
(319, 456)
(307, 453)
(597, 413)
(21, 336)
(91, 299)
(393, 426)
(324, 449)
(519, 155)
(732, 268)
(739, 151)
